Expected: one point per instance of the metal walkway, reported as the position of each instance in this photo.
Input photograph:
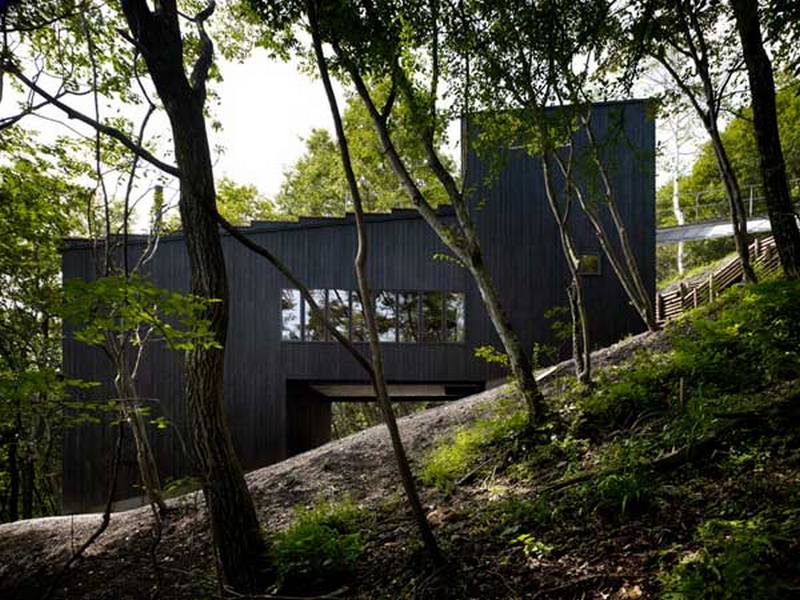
(708, 230)
(707, 214)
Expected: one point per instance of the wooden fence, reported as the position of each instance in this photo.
(672, 304)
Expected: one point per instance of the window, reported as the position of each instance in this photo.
(589, 264)
(408, 316)
(339, 311)
(433, 323)
(291, 317)
(454, 316)
(314, 329)
(404, 316)
(386, 315)
(359, 331)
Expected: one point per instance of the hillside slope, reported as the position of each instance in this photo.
(677, 476)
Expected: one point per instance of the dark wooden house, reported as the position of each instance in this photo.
(282, 373)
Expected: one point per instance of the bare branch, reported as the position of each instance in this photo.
(112, 132)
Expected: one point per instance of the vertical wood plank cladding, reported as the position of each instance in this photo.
(522, 250)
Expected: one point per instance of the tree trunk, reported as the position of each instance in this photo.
(676, 204)
(462, 241)
(236, 531)
(782, 216)
(368, 306)
(239, 546)
(148, 468)
(520, 364)
(734, 194)
(581, 344)
(641, 299)
(28, 481)
(13, 477)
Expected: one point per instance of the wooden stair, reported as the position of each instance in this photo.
(670, 305)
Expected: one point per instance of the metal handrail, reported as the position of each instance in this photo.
(753, 200)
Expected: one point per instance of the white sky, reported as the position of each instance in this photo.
(266, 109)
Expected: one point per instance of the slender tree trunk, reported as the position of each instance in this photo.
(642, 299)
(368, 305)
(781, 212)
(239, 546)
(148, 468)
(734, 194)
(28, 483)
(13, 477)
(462, 241)
(676, 204)
(581, 344)
(520, 364)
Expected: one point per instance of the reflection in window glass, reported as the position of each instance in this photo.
(432, 303)
(314, 327)
(339, 310)
(359, 331)
(386, 316)
(454, 316)
(408, 316)
(290, 315)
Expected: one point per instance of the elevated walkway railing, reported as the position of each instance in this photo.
(712, 204)
(672, 304)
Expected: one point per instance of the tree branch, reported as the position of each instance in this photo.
(206, 58)
(304, 290)
(111, 132)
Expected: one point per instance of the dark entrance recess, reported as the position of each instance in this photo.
(308, 405)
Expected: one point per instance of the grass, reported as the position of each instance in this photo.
(453, 459)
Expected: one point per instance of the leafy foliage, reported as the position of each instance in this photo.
(37, 209)
(733, 559)
(316, 186)
(321, 546)
(118, 305)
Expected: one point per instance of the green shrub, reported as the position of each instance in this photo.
(734, 560)
(639, 388)
(321, 546)
(748, 340)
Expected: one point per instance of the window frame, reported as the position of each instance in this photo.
(395, 292)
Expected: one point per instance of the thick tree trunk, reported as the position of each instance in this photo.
(238, 543)
(236, 532)
(773, 169)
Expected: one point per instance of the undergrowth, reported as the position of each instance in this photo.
(737, 356)
(320, 548)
